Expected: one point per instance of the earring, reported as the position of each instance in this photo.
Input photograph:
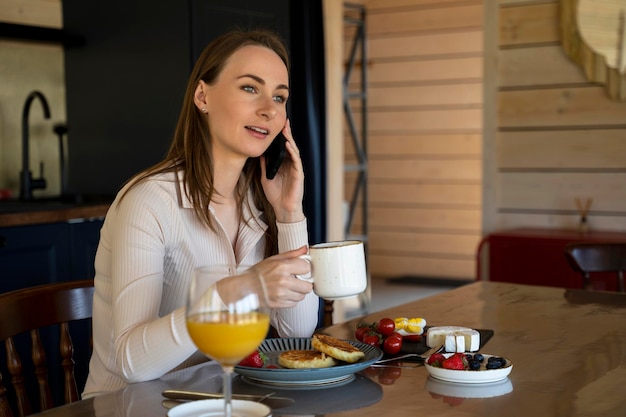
(204, 110)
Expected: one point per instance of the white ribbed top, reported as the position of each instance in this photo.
(149, 244)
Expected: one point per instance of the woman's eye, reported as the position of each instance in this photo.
(249, 89)
(280, 99)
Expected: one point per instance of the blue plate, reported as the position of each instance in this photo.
(294, 378)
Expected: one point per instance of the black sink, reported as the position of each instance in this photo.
(53, 203)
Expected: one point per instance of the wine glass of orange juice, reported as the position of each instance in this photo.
(227, 317)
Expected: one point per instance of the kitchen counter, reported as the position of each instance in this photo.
(53, 214)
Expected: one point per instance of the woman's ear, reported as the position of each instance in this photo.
(199, 96)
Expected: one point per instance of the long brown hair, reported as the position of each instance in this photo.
(190, 150)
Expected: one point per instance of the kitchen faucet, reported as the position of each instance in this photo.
(61, 129)
(28, 183)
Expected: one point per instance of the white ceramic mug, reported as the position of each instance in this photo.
(337, 269)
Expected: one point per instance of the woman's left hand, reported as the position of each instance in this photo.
(286, 191)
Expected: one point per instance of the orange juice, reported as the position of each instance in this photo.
(228, 338)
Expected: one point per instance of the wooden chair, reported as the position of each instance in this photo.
(588, 258)
(27, 311)
(327, 313)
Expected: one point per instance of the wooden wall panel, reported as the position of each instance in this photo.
(425, 144)
(463, 195)
(441, 219)
(558, 191)
(520, 2)
(451, 170)
(561, 220)
(424, 120)
(417, 242)
(375, 6)
(526, 24)
(559, 137)
(540, 66)
(426, 45)
(401, 121)
(443, 18)
(563, 150)
(425, 95)
(421, 122)
(391, 265)
(428, 70)
(549, 107)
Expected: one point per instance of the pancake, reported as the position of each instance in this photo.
(302, 359)
(338, 349)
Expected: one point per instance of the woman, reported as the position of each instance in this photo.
(207, 202)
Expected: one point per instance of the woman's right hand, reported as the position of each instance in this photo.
(283, 288)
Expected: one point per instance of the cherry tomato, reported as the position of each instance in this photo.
(372, 339)
(392, 345)
(386, 326)
(396, 335)
(360, 333)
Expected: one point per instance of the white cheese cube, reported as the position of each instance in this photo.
(453, 338)
(471, 340)
(454, 343)
(449, 343)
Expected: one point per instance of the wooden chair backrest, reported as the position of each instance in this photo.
(28, 310)
(588, 258)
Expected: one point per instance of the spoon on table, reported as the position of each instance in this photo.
(184, 395)
(413, 355)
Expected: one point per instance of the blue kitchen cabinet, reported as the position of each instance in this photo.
(84, 238)
(41, 254)
(46, 253)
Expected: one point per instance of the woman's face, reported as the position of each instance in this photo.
(246, 105)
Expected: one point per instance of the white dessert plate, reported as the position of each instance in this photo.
(480, 376)
(278, 376)
(211, 408)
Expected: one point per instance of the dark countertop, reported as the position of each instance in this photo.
(53, 214)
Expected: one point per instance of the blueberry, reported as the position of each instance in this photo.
(474, 365)
(495, 362)
(468, 356)
(479, 357)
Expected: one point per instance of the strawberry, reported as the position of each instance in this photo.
(435, 359)
(255, 360)
(457, 361)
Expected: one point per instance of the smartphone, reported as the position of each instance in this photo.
(274, 156)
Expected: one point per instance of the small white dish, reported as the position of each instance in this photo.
(215, 408)
(480, 376)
